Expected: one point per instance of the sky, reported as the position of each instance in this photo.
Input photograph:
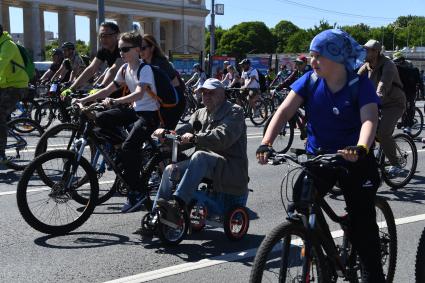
(303, 13)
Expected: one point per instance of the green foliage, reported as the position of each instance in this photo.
(219, 31)
(247, 37)
(299, 42)
(282, 31)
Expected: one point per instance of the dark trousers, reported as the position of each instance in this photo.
(409, 115)
(359, 195)
(8, 99)
(144, 123)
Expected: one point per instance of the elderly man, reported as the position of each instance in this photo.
(220, 151)
(384, 75)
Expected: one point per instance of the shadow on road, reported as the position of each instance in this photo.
(9, 177)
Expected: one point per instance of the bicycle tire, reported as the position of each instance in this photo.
(56, 196)
(262, 108)
(420, 260)
(417, 127)
(46, 113)
(19, 163)
(390, 180)
(283, 231)
(389, 239)
(284, 139)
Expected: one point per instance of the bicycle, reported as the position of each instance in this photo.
(192, 105)
(305, 246)
(66, 179)
(415, 126)
(20, 133)
(239, 96)
(420, 260)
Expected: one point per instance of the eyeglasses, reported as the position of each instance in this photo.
(104, 35)
(125, 49)
(144, 47)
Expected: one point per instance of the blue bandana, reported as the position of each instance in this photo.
(340, 47)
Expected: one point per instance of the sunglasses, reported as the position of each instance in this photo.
(125, 49)
(104, 35)
(143, 48)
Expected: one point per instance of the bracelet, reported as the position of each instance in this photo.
(365, 147)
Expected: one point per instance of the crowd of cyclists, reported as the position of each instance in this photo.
(345, 91)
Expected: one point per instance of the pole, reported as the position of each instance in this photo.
(422, 33)
(100, 12)
(212, 37)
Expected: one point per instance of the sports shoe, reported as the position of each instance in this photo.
(171, 209)
(407, 130)
(134, 202)
(3, 162)
(394, 171)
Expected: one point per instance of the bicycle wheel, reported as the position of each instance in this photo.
(418, 123)
(420, 260)
(260, 114)
(53, 209)
(407, 157)
(285, 137)
(56, 137)
(21, 138)
(46, 113)
(281, 256)
(388, 237)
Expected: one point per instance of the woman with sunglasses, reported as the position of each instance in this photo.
(152, 54)
(143, 113)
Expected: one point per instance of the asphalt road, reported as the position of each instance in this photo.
(105, 248)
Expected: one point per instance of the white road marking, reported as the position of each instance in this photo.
(186, 267)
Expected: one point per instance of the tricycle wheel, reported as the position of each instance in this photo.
(236, 223)
(172, 236)
(198, 215)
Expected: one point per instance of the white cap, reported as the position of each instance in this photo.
(211, 84)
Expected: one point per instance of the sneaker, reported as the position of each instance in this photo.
(394, 171)
(3, 162)
(171, 209)
(134, 202)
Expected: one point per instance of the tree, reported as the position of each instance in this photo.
(299, 42)
(360, 32)
(219, 31)
(282, 31)
(247, 37)
(80, 46)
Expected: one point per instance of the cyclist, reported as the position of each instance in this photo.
(301, 67)
(250, 81)
(143, 113)
(73, 63)
(198, 78)
(13, 85)
(232, 78)
(339, 122)
(220, 151)
(281, 75)
(152, 54)
(108, 35)
(57, 56)
(225, 65)
(384, 75)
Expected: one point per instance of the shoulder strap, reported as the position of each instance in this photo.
(124, 68)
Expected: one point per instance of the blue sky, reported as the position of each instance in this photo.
(303, 13)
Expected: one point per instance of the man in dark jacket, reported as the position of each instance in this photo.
(220, 155)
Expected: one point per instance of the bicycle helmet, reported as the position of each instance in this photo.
(57, 51)
(196, 65)
(68, 45)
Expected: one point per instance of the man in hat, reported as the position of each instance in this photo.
(384, 75)
(301, 67)
(221, 143)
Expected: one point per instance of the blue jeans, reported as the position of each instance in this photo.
(200, 165)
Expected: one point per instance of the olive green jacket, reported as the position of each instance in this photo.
(224, 133)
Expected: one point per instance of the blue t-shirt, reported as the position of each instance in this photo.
(333, 118)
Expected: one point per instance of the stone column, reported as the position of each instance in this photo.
(4, 16)
(168, 37)
(147, 26)
(93, 34)
(32, 31)
(66, 25)
(177, 36)
(125, 22)
(156, 29)
(42, 35)
(185, 43)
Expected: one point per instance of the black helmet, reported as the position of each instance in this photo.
(57, 51)
(68, 45)
(245, 61)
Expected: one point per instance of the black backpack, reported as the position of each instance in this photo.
(409, 77)
(262, 81)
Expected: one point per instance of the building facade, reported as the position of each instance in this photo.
(177, 24)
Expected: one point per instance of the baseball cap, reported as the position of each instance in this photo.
(245, 61)
(226, 62)
(68, 45)
(301, 59)
(211, 84)
(372, 44)
(57, 51)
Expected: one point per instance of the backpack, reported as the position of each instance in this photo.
(262, 81)
(166, 95)
(409, 77)
(28, 66)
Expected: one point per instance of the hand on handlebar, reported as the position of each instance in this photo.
(108, 102)
(159, 133)
(187, 138)
(263, 152)
(353, 153)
